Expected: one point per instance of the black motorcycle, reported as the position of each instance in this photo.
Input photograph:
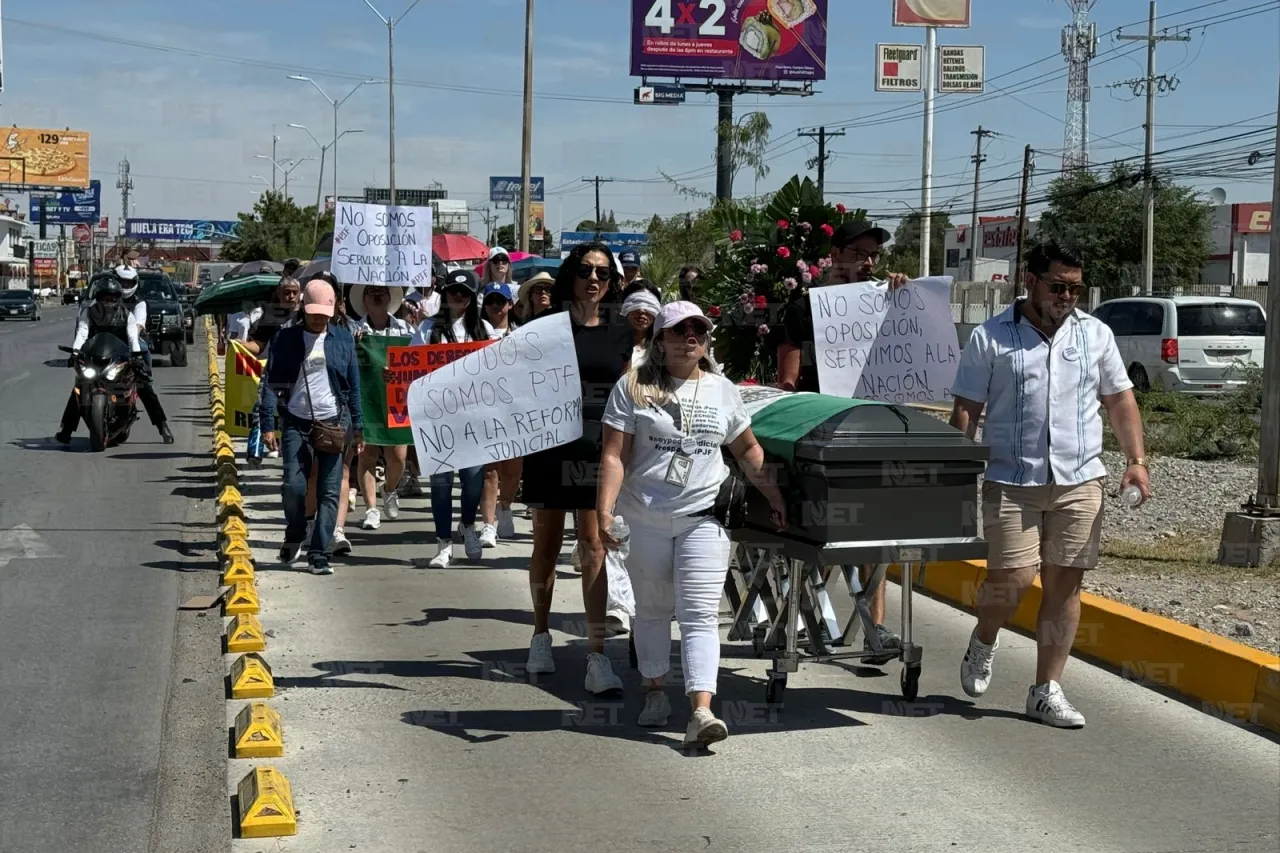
(108, 390)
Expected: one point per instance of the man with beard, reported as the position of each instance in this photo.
(855, 254)
(1040, 369)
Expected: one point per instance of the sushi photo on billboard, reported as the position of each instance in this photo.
(772, 40)
(931, 13)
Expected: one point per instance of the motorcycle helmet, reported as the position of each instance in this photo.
(110, 290)
(127, 277)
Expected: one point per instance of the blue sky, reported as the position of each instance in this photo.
(191, 126)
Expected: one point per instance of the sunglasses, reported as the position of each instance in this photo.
(689, 329)
(1057, 288)
(501, 259)
(602, 273)
(495, 301)
(378, 295)
(540, 290)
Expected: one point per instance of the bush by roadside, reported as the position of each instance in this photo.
(1186, 427)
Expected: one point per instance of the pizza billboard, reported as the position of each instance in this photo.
(774, 40)
(32, 157)
(931, 13)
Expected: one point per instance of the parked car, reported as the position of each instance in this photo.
(19, 305)
(1189, 344)
(72, 295)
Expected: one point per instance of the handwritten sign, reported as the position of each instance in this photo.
(409, 364)
(518, 396)
(895, 346)
(381, 244)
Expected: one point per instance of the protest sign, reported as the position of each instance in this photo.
(371, 356)
(381, 244)
(243, 370)
(895, 346)
(408, 364)
(518, 396)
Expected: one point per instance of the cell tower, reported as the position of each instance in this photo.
(1079, 46)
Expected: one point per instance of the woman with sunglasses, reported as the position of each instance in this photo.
(534, 298)
(501, 479)
(458, 321)
(661, 470)
(497, 268)
(564, 479)
(379, 305)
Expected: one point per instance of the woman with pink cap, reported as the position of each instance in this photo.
(661, 470)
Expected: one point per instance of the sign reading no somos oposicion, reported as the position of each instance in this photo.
(382, 244)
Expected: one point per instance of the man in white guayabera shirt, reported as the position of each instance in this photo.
(1040, 369)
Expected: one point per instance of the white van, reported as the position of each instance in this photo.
(1190, 344)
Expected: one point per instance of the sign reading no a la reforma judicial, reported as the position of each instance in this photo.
(730, 39)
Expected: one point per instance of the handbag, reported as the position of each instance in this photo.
(730, 508)
(324, 437)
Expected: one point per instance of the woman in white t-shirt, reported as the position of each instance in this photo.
(640, 308)
(501, 479)
(379, 306)
(458, 321)
(661, 470)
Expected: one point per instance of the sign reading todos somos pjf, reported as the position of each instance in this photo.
(730, 39)
(381, 244)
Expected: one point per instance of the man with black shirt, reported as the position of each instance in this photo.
(855, 254)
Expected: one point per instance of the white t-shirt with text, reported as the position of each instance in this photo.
(711, 410)
(315, 369)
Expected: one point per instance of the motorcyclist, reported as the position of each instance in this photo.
(107, 313)
(127, 275)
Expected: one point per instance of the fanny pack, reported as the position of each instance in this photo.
(730, 508)
(324, 437)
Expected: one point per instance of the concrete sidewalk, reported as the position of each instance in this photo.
(410, 725)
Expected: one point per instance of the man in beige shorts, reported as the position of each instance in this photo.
(1040, 369)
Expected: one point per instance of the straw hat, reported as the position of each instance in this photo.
(357, 298)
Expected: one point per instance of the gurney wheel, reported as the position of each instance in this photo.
(758, 635)
(774, 688)
(910, 683)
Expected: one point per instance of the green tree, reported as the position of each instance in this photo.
(277, 229)
(677, 241)
(607, 225)
(1102, 218)
(505, 236)
(749, 144)
(904, 255)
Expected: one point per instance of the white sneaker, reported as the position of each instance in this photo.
(506, 524)
(1048, 704)
(273, 454)
(600, 675)
(975, 669)
(339, 546)
(352, 496)
(391, 503)
(444, 553)
(704, 729)
(488, 536)
(656, 711)
(326, 569)
(471, 542)
(576, 559)
(372, 519)
(540, 658)
(617, 623)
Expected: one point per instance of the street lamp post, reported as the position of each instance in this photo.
(315, 233)
(391, 88)
(335, 104)
(288, 170)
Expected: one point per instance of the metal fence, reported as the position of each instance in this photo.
(975, 302)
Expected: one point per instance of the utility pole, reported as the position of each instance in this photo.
(928, 69)
(974, 237)
(597, 180)
(1149, 194)
(1028, 165)
(274, 140)
(391, 93)
(124, 183)
(822, 135)
(526, 150)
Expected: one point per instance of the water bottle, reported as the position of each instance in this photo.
(1132, 496)
(622, 532)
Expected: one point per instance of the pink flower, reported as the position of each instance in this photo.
(824, 263)
(790, 283)
(828, 230)
(807, 278)
(759, 269)
(713, 312)
(783, 224)
(815, 272)
(736, 236)
(762, 330)
(784, 252)
(801, 264)
(761, 302)
(841, 209)
(806, 227)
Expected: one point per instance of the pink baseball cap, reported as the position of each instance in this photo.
(319, 298)
(673, 313)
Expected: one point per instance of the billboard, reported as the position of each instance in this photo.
(962, 69)
(70, 208)
(931, 13)
(615, 241)
(45, 158)
(506, 190)
(181, 230)
(404, 198)
(537, 221)
(898, 68)
(1253, 218)
(729, 39)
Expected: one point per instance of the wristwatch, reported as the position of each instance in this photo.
(1141, 460)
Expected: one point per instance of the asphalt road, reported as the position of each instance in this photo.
(94, 550)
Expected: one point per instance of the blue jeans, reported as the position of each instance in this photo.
(255, 449)
(146, 353)
(298, 456)
(442, 498)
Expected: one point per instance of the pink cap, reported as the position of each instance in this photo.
(673, 313)
(319, 298)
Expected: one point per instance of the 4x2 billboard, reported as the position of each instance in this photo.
(729, 39)
(70, 208)
(32, 157)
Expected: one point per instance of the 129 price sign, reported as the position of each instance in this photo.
(665, 18)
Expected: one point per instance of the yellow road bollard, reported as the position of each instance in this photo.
(266, 805)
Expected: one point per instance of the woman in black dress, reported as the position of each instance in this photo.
(564, 478)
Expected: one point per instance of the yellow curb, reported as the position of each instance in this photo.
(235, 527)
(230, 496)
(243, 598)
(236, 546)
(266, 805)
(245, 634)
(251, 678)
(228, 476)
(1231, 680)
(230, 511)
(238, 570)
(258, 732)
